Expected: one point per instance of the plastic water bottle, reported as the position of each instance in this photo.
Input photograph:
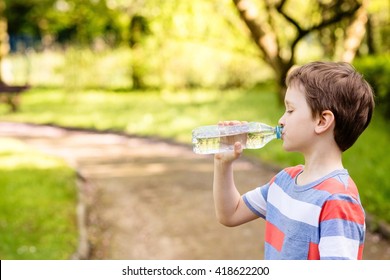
(214, 139)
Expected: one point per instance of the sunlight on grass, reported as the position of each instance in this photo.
(22, 156)
(193, 97)
(37, 204)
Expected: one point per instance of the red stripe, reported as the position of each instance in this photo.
(294, 171)
(360, 252)
(314, 253)
(333, 186)
(352, 187)
(341, 209)
(274, 236)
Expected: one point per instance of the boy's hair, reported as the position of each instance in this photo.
(337, 87)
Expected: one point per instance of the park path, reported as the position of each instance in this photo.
(152, 199)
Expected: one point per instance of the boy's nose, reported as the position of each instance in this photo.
(281, 121)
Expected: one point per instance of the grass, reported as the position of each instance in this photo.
(37, 205)
(173, 114)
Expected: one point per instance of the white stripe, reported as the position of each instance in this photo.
(339, 246)
(256, 200)
(294, 209)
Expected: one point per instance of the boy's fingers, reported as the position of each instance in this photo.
(237, 149)
(234, 122)
(230, 156)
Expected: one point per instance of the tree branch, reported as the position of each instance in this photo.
(261, 33)
(302, 32)
(338, 17)
(279, 8)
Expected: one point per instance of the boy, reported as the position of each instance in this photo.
(311, 211)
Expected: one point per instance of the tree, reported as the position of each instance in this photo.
(278, 49)
(4, 45)
(62, 21)
(355, 33)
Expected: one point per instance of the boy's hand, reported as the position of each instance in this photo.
(236, 140)
(230, 156)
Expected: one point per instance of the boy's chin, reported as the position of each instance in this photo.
(288, 148)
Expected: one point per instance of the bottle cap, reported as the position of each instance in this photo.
(278, 131)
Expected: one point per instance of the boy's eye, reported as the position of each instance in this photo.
(289, 111)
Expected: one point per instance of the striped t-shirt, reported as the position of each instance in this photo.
(321, 220)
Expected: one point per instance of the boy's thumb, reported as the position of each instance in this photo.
(237, 149)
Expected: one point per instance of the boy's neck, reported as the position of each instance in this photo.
(319, 164)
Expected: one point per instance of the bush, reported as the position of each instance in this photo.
(376, 70)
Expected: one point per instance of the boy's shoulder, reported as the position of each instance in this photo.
(338, 182)
(287, 174)
(293, 171)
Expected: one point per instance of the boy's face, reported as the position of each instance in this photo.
(297, 121)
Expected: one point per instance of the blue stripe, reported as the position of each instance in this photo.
(270, 253)
(334, 258)
(344, 197)
(339, 227)
(264, 191)
(292, 228)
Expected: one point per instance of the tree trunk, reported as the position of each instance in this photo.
(355, 33)
(264, 37)
(263, 30)
(281, 74)
(4, 43)
(370, 36)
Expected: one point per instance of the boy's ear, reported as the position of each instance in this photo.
(325, 121)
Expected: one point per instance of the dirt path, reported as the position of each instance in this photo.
(148, 199)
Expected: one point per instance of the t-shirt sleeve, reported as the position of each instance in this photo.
(342, 228)
(256, 200)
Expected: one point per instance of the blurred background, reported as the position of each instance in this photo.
(161, 68)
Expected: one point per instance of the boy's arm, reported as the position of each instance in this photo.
(230, 208)
(342, 223)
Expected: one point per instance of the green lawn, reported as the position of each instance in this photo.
(173, 114)
(37, 205)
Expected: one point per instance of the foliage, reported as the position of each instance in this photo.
(173, 114)
(37, 205)
(178, 66)
(277, 29)
(376, 70)
(170, 43)
(61, 20)
(379, 33)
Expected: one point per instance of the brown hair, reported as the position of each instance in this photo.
(337, 87)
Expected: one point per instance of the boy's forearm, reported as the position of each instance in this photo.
(226, 195)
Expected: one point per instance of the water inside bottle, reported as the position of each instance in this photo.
(213, 145)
